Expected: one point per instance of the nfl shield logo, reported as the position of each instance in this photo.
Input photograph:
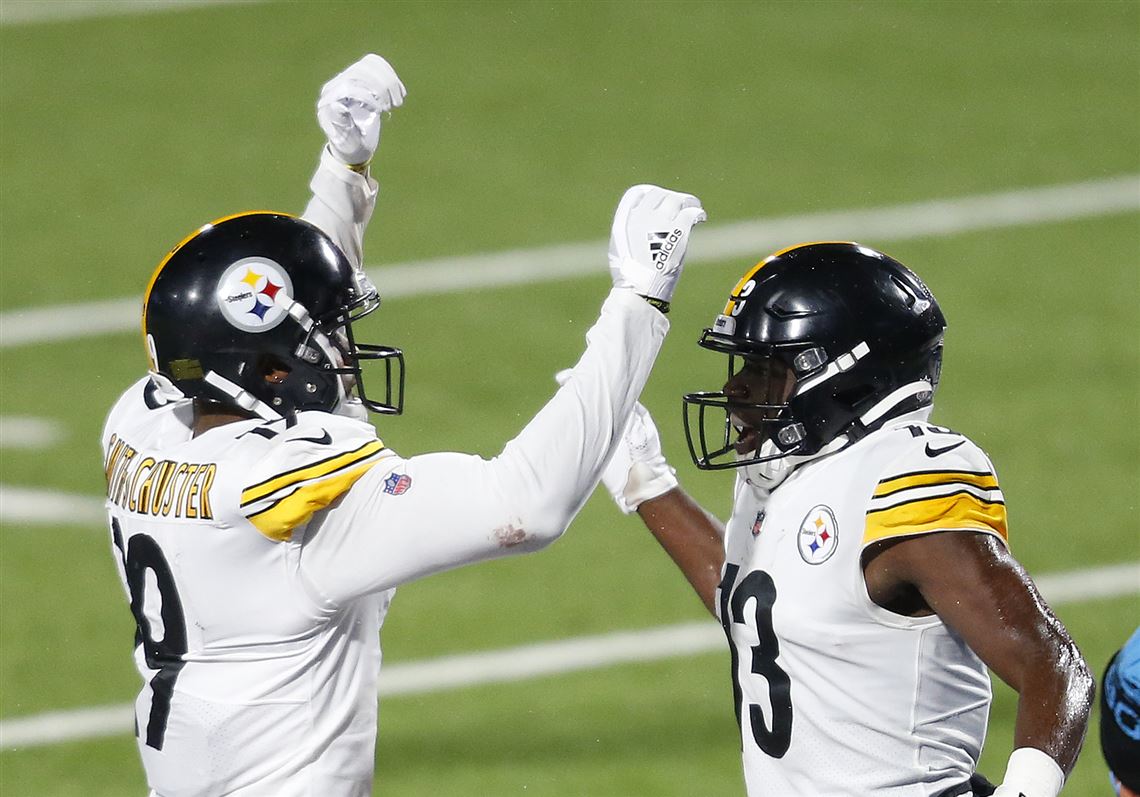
(397, 483)
(758, 523)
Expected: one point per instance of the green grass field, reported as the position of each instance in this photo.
(523, 125)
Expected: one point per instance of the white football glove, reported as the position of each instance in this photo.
(649, 237)
(637, 471)
(350, 105)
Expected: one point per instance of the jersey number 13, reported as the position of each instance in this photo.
(758, 589)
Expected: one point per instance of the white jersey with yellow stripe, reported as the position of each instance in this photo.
(252, 682)
(836, 695)
(260, 558)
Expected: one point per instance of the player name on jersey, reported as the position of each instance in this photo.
(162, 488)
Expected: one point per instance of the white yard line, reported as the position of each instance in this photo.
(532, 661)
(27, 12)
(23, 431)
(32, 506)
(711, 243)
(749, 239)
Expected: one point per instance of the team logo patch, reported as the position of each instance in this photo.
(756, 524)
(253, 294)
(818, 536)
(397, 483)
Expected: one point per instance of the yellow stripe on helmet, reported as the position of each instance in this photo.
(751, 273)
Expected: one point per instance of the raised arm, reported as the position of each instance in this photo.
(350, 110)
(454, 509)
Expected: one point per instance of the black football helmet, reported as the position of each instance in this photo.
(858, 332)
(265, 293)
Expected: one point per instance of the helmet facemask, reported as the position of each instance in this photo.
(355, 354)
(336, 361)
(860, 334)
(351, 357)
(753, 414)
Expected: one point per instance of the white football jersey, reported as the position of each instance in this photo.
(259, 559)
(834, 694)
(252, 682)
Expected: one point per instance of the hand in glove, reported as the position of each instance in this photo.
(350, 106)
(648, 241)
(637, 471)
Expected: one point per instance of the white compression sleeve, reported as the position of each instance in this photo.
(341, 205)
(458, 508)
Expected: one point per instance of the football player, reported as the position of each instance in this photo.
(259, 524)
(864, 579)
(1120, 718)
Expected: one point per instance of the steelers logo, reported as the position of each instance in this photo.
(818, 535)
(251, 293)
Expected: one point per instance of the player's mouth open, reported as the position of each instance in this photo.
(747, 437)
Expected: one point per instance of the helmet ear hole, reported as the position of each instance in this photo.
(272, 368)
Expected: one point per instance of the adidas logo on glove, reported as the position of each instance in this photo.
(661, 245)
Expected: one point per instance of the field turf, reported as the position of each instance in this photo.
(524, 123)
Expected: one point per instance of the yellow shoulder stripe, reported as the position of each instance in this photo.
(278, 520)
(316, 470)
(959, 510)
(985, 480)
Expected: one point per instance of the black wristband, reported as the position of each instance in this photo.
(660, 304)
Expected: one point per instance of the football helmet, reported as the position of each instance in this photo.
(255, 311)
(833, 338)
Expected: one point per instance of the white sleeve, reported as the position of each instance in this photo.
(409, 518)
(342, 204)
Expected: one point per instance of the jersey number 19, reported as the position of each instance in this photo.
(139, 555)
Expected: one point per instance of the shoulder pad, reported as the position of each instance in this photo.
(938, 481)
(145, 415)
(305, 468)
(122, 407)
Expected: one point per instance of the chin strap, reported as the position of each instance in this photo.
(241, 397)
(891, 405)
(769, 474)
(351, 408)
